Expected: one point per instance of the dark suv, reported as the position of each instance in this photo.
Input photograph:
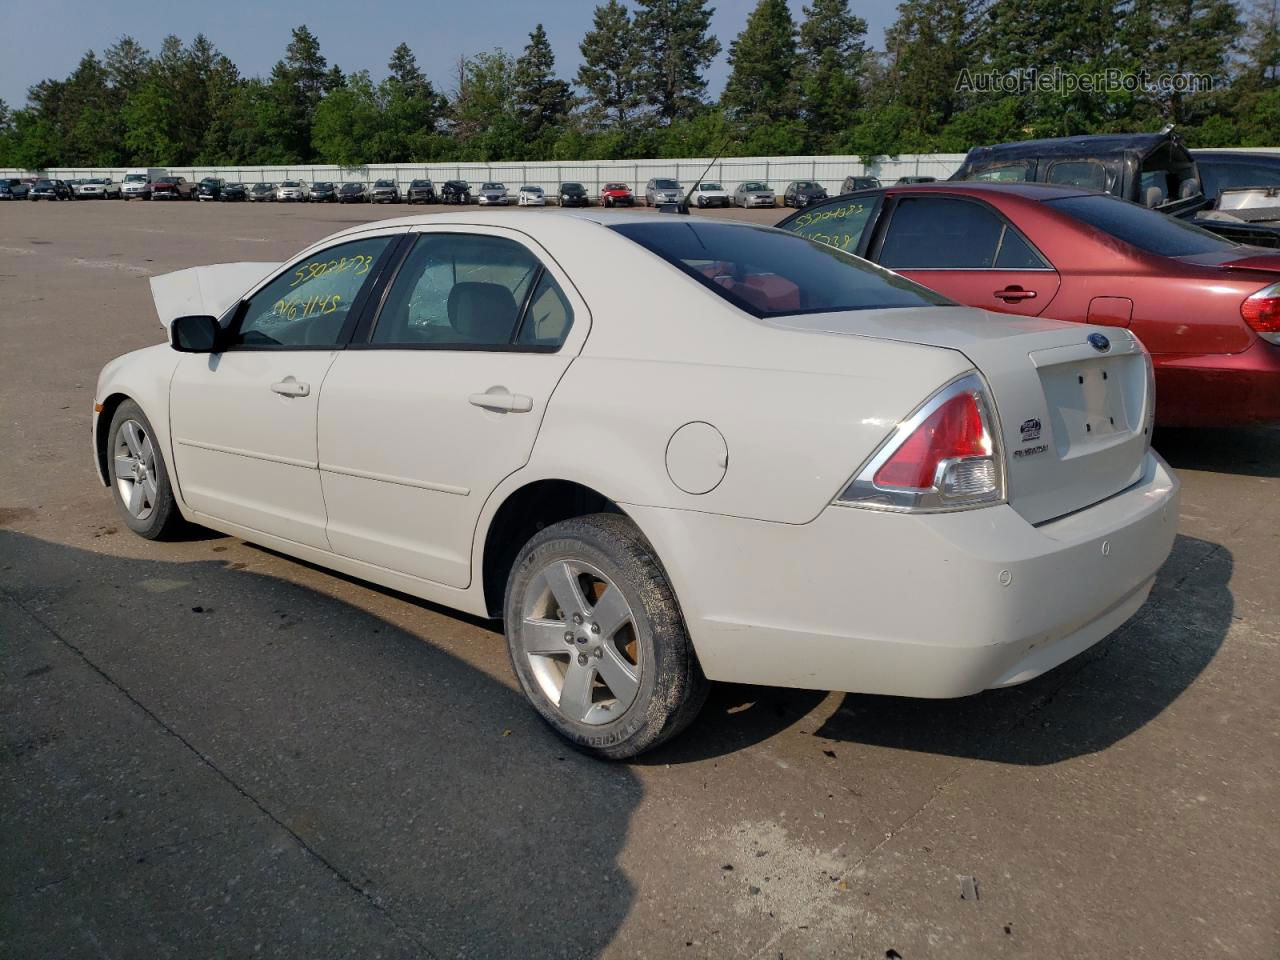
(573, 195)
(859, 183)
(211, 188)
(421, 191)
(801, 193)
(50, 190)
(323, 192)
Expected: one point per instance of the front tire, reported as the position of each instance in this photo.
(626, 679)
(139, 478)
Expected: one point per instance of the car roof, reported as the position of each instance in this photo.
(1089, 145)
(1020, 188)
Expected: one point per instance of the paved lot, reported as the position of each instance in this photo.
(212, 750)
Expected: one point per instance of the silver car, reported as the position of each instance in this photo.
(661, 190)
(492, 194)
(753, 193)
(293, 191)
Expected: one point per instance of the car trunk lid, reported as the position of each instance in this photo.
(1075, 417)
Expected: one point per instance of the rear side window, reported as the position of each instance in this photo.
(1079, 173)
(771, 273)
(1005, 172)
(468, 291)
(943, 233)
(1143, 228)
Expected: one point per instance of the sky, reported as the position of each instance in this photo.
(356, 36)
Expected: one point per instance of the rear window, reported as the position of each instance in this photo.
(771, 273)
(1145, 229)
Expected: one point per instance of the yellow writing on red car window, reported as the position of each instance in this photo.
(360, 264)
(839, 213)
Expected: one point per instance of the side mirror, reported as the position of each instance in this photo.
(197, 334)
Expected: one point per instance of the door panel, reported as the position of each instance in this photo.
(966, 250)
(419, 428)
(245, 453)
(244, 420)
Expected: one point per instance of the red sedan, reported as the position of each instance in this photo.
(616, 194)
(1207, 309)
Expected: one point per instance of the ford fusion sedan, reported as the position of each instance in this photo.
(262, 192)
(385, 191)
(352, 193)
(710, 193)
(616, 195)
(573, 194)
(421, 191)
(531, 196)
(49, 190)
(293, 191)
(801, 193)
(323, 192)
(1208, 309)
(753, 193)
(661, 190)
(998, 466)
(492, 195)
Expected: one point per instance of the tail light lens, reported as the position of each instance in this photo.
(1262, 312)
(945, 456)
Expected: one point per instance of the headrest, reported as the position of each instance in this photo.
(1154, 196)
(482, 312)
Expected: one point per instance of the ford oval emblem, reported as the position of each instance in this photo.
(1099, 342)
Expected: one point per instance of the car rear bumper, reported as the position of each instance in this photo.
(933, 605)
(1218, 390)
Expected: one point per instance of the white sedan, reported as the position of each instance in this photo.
(530, 196)
(762, 460)
(710, 194)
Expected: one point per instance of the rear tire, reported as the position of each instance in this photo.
(627, 679)
(139, 478)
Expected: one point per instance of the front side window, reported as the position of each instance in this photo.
(838, 224)
(469, 291)
(308, 305)
(773, 273)
(944, 233)
(1143, 228)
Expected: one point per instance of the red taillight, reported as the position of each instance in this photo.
(952, 431)
(1262, 312)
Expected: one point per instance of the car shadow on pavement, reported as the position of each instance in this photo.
(203, 760)
(1086, 704)
(1243, 451)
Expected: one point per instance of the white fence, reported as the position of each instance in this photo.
(777, 172)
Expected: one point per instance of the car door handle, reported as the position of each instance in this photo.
(500, 398)
(1014, 294)
(290, 387)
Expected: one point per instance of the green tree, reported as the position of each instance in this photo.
(676, 48)
(484, 117)
(348, 127)
(927, 47)
(610, 66)
(542, 99)
(762, 91)
(411, 109)
(1185, 37)
(833, 62)
(126, 63)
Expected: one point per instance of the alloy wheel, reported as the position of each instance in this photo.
(579, 636)
(135, 469)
